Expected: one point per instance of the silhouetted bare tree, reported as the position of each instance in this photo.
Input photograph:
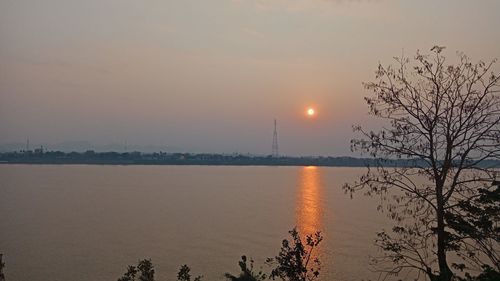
(446, 119)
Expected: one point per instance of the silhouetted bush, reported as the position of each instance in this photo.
(488, 274)
(145, 268)
(247, 273)
(294, 262)
(184, 275)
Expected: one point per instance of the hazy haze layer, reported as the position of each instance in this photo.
(210, 76)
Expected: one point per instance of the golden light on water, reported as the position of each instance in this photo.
(309, 205)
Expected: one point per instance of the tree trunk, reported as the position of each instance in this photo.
(445, 273)
(2, 277)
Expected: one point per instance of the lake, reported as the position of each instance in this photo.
(78, 222)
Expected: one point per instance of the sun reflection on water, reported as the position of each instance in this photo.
(309, 208)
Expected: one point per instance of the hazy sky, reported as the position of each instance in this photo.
(211, 75)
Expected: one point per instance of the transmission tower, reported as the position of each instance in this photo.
(275, 141)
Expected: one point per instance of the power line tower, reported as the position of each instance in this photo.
(275, 141)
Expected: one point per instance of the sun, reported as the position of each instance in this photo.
(311, 112)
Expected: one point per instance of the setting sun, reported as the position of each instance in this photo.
(311, 112)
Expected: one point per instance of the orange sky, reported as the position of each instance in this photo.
(212, 75)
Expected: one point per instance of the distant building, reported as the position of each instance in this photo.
(39, 150)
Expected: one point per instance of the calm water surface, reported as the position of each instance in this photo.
(89, 222)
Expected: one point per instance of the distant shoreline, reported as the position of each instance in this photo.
(199, 159)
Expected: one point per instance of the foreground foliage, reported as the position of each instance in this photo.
(296, 261)
(144, 271)
(247, 272)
